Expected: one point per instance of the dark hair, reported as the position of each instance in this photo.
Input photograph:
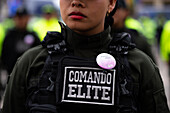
(109, 19)
(21, 11)
(122, 4)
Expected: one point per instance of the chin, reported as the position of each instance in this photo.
(79, 31)
(77, 26)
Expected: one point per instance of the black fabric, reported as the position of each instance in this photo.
(78, 105)
(16, 42)
(119, 47)
(87, 46)
(51, 85)
(139, 40)
(41, 98)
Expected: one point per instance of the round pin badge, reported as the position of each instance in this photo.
(29, 39)
(106, 61)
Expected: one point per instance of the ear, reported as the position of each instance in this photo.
(112, 5)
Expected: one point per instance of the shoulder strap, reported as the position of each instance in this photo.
(56, 47)
(43, 98)
(55, 41)
(119, 47)
(121, 43)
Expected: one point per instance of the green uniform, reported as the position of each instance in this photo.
(144, 72)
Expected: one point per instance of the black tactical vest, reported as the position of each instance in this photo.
(71, 84)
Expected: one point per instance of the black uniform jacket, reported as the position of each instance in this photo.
(145, 73)
(16, 42)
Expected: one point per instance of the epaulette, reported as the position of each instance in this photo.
(121, 43)
(55, 41)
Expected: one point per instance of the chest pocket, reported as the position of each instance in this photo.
(71, 85)
(81, 85)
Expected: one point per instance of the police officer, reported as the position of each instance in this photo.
(84, 69)
(18, 39)
(119, 26)
(165, 44)
(48, 22)
(2, 35)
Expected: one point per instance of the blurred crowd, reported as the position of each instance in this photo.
(20, 32)
(23, 30)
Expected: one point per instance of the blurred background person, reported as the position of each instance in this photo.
(165, 44)
(2, 35)
(132, 21)
(144, 24)
(149, 28)
(17, 40)
(137, 9)
(119, 26)
(160, 19)
(48, 22)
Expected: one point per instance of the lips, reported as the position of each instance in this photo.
(77, 15)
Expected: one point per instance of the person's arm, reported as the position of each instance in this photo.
(7, 52)
(14, 101)
(16, 91)
(152, 94)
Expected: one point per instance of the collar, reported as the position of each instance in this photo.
(76, 40)
(91, 45)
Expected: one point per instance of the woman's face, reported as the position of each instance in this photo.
(85, 16)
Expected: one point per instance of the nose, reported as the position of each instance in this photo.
(77, 3)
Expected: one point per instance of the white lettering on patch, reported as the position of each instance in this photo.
(89, 85)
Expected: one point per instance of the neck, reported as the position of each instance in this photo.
(80, 44)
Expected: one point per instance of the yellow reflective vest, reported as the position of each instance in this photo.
(165, 42)
(2, 36)
(132, 23)
(42, 26)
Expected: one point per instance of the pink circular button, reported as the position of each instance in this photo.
(106, 61)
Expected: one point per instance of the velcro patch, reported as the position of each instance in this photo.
(89, 85)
